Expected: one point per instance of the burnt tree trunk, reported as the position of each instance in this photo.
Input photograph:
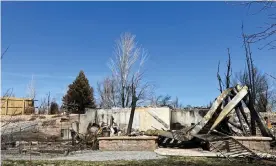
(252, 116)
(133, 106)
(130, 120)
(123, 96)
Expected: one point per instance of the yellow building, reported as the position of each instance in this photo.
(17, 106)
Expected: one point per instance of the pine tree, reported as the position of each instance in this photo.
(79, 95)
(54, 108)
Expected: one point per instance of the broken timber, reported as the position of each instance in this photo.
(218, 118)
(230, 106)
(208, 117)
(235, 101)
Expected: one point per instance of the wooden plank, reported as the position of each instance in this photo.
(211, 112)
(6, 107)
(242, 109)
(261, 123)
(235, 125)
(23, 106)
(230, 106)
(237, 110)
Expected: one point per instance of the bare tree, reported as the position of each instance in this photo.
(127, 54)
(108, 93)
(251, 74)
(42, 109)
(267, 35)
(175, 103)
(155, 100)
(268, 31)
(139, 91)
(8, 93)
(166, 101)
(44, 104)
(31, 92)
(229, 71)
(161, 101)
(263, 91)
(226, 84)
(127, 69)
(219, 79)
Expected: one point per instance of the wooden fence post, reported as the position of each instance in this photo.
(6, 107)
(23, 107)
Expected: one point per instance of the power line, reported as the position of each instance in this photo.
(271, 76)
(4, 52)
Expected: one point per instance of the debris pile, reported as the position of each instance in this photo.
(226, 128)
(229, 118)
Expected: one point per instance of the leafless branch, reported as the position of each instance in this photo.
(227, 75)
(271, 76)
(2, 55)
(268, 32)
(6, 96)
(229, 70)
(31, 92)
(107, 91)
(127, 67)
(219, 78)
(8, 93)
(264, 5)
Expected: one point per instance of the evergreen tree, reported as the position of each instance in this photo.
(54, 108)
(79, 95)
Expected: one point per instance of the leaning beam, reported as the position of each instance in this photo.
(230, 106)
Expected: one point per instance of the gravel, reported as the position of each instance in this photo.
(92, 156)
(15, 127)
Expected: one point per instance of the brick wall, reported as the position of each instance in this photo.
(260, 146)
(128, 143)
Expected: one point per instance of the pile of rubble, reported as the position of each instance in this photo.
(226, 128)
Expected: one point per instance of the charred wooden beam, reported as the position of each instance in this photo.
(237, 110)
(216, 104)
(242, 109)
(261, 124)
(235, 125)
(230, 106)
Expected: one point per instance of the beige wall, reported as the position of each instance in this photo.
(187, 117)
(147, 121)
(142, 119)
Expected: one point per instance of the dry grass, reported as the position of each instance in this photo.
(32, 118)
(176, 161)
(56, 116)
(42, 117)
